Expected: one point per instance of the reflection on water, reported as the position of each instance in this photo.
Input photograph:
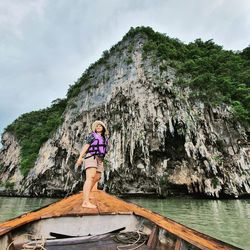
(227, 220)
(11, 207)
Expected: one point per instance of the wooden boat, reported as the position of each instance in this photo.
(114, 224)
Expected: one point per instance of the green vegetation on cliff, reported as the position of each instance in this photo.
(215, 75)
(33, 129)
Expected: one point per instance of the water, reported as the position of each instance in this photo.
(11, 207)
(227, 220)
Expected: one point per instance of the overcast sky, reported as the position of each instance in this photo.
(45, 45)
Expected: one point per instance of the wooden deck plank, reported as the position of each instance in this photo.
(104, 206)
(107, 205)
(77, 206)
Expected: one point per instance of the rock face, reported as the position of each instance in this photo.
(160, 141)
(10, 157)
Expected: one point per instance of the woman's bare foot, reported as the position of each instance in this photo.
(88, 205)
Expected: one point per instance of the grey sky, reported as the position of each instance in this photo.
(45, 45)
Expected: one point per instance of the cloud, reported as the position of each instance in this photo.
(16, 12)
(46, 45)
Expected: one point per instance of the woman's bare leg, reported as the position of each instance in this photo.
(96, 179)
(88, 184)
(95, 187)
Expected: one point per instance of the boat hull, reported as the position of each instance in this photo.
(67, 217)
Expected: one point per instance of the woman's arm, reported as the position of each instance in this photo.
(82, 154)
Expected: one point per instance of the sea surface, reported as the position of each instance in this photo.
(11, 207)
(227, 220)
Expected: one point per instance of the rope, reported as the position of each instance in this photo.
(130, 239)
(12, 242)
(39, 244)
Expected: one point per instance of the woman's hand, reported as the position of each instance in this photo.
(79, 162)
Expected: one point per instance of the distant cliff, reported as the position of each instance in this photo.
(178, 116)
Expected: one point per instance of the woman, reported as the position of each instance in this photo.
(94, 151)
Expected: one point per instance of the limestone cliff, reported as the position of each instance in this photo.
(161, 141)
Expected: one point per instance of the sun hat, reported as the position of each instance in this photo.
(94, 124)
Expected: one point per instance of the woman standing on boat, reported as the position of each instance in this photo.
(93, 151)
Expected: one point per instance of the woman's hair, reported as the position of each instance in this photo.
(103, 132)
